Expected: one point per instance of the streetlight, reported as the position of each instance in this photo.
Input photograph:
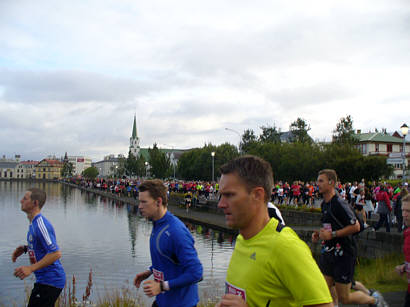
(404, 130)
(239, 135)
(213, 164)
(146, 169)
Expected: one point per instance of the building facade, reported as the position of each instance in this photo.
(8, 169)
(48, 169)
(80, 163)
(383, 144)
(26, 169)
(107, 167)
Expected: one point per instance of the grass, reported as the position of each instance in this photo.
(373, 273)
(380, 274)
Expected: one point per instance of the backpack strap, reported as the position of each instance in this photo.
(280, 227)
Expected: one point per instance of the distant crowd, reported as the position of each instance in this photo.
(363, 197)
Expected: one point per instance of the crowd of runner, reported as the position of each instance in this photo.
(363, 197)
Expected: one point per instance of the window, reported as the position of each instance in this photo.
(401, 148)
(377, 147)
(389, 147)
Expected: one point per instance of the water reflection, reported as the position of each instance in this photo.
(96, 232)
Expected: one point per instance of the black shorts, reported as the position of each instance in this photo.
(407, 300)
(359, 207)
(43, 296)
(340, 268)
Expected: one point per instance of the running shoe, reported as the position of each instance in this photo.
(380, 302)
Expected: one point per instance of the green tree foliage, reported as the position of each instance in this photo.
(134, 166)
(119, 170)
(196, 164)
(270, 134)
(344, 133)
(300, 129)
(160, 164)
(90, 173)
(248, 141)
(67, 170)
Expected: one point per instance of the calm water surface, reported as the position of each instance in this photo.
(96, 233)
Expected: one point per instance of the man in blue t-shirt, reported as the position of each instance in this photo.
(43, 251)
(175, 265)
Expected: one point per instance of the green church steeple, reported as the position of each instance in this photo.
(134, 128)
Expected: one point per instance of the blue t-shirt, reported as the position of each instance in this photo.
(41, 240)
(174, 259)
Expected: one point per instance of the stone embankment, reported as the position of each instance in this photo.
(371, 244)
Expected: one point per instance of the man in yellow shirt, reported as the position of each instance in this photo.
(270, 265)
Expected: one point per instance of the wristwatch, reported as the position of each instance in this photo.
(334, 234)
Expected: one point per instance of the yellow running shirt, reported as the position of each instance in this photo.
(275, 268)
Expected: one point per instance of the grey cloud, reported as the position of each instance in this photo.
(312, 95)
(67, 86)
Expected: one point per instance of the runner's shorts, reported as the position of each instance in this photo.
(341, 268)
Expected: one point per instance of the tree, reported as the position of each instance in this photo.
(119, 170)
(248, 141)
(270, 134)
(67, 170)
(134, 166)
(196, 164)
(344, 133)
(299, 129)
(159, 162)
(90, 173)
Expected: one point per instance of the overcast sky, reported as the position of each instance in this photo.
(73, 73)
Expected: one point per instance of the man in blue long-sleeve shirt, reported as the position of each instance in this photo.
(175, 264)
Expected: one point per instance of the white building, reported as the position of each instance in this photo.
(26, 169)
(383, 144)
(80, 163)
(8, 169)
(106, 167)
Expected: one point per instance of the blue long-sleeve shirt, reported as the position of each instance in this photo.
(175, 260)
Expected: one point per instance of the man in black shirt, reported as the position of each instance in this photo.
(339, 251)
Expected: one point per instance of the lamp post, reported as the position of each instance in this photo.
(239, 135)
(404, 130)
(213, 164)
(146, 169)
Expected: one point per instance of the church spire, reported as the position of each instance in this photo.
(134, 141)
(134, 128)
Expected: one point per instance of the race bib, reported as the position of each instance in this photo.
(32, 256)
(231, 289)
(158, 275)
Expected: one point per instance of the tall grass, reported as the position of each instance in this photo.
(373, 273)
(380, 274)
(124, 297)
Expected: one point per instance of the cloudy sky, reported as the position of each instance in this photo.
(73, 73)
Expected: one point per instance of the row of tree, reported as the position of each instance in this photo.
(299, 158)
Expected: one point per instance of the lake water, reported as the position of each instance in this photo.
(99, 234)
